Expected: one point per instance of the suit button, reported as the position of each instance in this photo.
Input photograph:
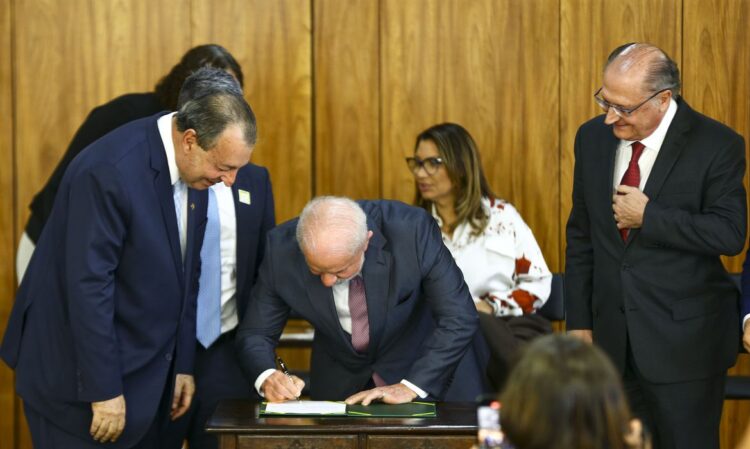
(625, 267)
(168, 357)
(622, 309)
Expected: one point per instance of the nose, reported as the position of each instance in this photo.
(229, 178)
(611, 117)
(421, 172)
(328, 279)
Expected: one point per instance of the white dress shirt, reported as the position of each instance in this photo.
(228, 235)
(179, 189)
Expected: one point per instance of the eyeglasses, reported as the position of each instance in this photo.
(619, 110)
(430, 164)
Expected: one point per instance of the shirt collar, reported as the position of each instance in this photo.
(655, 140)
(164, 123)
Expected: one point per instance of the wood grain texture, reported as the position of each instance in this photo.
(74, 55)
(347, 159)
(589, 31)
(7, 237)
(716, 68)
(271, 40)
(491, 66)
(716, 82)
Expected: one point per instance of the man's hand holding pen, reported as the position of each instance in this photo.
(282, 386)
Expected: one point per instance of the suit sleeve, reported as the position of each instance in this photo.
(719, 227)
(453, 310)
(261, 327)
(96, 229)
(579, 253)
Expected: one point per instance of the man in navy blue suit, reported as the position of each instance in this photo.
(102, 333)
(393, 317)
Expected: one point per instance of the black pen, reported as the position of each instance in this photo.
(285, 370)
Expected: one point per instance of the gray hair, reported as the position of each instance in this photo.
(327, 216)
(209, 101)
(662, 72)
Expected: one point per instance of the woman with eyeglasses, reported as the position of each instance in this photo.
(500, 259)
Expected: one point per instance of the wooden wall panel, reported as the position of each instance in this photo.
(590, 30)
(7, 252)
(491, 66)
(272, 42)
(77, 54)
(716, 82)
(347, 160)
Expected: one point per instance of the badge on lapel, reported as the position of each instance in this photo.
(244, 196)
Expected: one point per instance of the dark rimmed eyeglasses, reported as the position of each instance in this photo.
(430, 164)
(619, 110)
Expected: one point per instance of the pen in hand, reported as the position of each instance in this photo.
(285, 370)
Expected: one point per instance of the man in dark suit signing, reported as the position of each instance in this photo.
(657, 198)
(102, 333)
(392, 315)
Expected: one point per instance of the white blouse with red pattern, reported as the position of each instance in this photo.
(504, 265)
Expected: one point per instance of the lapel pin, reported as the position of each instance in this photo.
(192, 206)
(244, 196)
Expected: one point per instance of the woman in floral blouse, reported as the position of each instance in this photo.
(500, 259)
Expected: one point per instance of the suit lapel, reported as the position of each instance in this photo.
(192, 214)
(376, 273)
(608, 165)
(321, 300)
(670, 151)
(164, 192)
(243, 215)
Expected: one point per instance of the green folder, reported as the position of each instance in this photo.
(374, 410)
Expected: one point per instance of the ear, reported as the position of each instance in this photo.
(367, 242)
(189, 139)
(665, 97)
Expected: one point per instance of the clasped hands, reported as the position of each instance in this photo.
(628, 206)
(108, 420)
(279, 387)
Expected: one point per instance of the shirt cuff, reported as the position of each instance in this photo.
(262, 378)
(744, 320)
(420, 392)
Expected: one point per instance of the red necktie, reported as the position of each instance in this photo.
(632, 176)
(358, 310)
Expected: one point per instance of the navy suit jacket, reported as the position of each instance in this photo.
(421, 315)
(107, 306)
(254, 220)
(665, 289)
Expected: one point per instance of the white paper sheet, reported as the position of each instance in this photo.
(307, 408)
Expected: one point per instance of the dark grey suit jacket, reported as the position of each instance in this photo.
(665, 288)
(422, 318)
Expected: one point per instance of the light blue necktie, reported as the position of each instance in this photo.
(208, 326)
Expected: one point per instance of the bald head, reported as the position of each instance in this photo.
(647, 64)
(333, 225)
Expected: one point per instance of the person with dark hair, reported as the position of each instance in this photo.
(106, 118)
(495, 249)
(241, 215)
(565, 394)
(658, 197)
(393, 317)
(102, 332)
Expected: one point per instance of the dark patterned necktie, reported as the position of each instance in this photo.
(632, 176)
(358, 310)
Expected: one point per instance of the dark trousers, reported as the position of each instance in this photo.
(683, 415)
(46, 435)
(505, 336)
(217, 376)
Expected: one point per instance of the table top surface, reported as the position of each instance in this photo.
(241, 416)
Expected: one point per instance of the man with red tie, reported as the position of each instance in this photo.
(657, 199)
(393, 317)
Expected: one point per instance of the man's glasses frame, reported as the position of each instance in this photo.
(430, 164)
(619, 110)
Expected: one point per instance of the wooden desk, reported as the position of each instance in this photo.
(238, 426)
